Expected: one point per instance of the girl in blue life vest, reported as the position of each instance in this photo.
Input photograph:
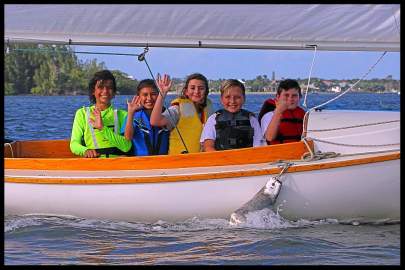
(187, 114)
(96, 129)
(146, 139)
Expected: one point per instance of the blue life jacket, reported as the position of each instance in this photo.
(148, 140)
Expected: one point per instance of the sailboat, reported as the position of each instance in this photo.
(346, 167)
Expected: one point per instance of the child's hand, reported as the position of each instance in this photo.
(281, 104)
(134, 105)
(97, 122)
(164, 83)
(91, 153)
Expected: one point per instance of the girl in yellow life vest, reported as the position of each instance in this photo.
(186, 115)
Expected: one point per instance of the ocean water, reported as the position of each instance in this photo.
(265, 239)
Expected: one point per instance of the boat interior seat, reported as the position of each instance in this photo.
(38, 149)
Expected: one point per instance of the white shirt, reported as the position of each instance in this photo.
(173, 116)
(265, 122)
(209, 132)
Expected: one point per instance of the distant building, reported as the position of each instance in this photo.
(327, 83)
(273, 85)
(343, 84)
(310, 86)
(336, 89)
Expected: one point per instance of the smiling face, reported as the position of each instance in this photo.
(104, 92)
(232, 99)
(148, 97)
(195, 91)
(291, 97)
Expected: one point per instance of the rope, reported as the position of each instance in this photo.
(319, 155)
(355, 126)
(309, 77)
(354, 145)
(311, 153)
(284, 168)
(11, 148)
(351, 87)
(340, 95)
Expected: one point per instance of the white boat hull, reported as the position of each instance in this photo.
(350, 193)
(363, 184)
(364, 193)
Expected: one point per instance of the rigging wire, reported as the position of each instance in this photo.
(305, 121)
(310, 72)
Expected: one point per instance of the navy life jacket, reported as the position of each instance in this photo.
(233, 130)
(147, 139)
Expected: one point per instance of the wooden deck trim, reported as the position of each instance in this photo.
(270, 153)
(201, 176)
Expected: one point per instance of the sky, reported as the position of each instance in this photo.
(247, 63)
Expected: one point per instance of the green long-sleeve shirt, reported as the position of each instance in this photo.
(81, 138)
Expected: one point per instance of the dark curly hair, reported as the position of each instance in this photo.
(288, 84)
(102, 75)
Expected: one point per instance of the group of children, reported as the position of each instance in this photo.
(188, 125)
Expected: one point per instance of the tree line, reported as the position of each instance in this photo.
(53, 70)
(56, 70)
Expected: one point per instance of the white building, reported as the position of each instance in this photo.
(336, 89)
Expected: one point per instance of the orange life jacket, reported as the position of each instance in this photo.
(291, 123)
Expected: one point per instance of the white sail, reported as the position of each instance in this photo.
(330, 27)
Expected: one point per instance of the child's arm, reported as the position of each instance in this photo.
(76, 146)
(208, 135)
(258, 135)
(133, 106)
(209, 145)
(115, 139)
(156, 117)
(272, 128)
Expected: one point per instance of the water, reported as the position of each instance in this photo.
(51, 117)
(265, 239)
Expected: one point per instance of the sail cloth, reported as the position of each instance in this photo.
(330, 27)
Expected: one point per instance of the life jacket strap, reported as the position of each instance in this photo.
(116, 121)
(292, 120)
(93, 135)
(112, 151)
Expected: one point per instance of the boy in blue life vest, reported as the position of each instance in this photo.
(231, 127)
(281, 118)
(146, 139)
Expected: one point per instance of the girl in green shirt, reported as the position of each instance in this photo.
(96, 129)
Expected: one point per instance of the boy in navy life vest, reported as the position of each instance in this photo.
(231, 127)
(146, 139)
(281, 118)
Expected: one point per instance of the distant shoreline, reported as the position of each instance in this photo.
(218, 93)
